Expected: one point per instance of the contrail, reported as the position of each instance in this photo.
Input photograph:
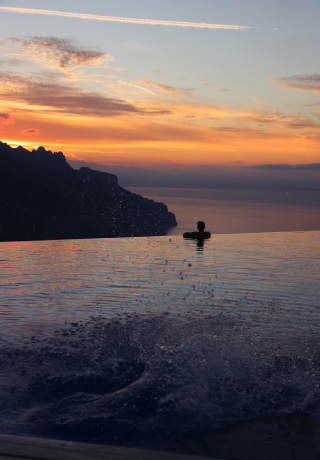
(95, 17)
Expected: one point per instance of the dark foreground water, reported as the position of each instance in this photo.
(160, 343)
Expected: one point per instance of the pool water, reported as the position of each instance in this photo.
(164, 343)
(271, 279)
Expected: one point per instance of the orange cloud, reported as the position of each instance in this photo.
(59, 53)
(93, 127)
(167, 89)
(135, 86)
(53, 95)
(130, 140)
(305, 83)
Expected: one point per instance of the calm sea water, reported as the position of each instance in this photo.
(240, 210)
(161, 343)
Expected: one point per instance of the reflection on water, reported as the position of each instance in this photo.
(271, 279)
(210, 350)
(199, 243)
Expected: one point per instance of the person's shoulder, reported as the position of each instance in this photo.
(190, 234)
(198, 235)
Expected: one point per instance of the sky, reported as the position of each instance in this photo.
(171, 85)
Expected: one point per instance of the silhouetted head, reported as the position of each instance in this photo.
(201, 226)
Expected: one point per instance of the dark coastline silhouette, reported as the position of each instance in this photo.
(43, 197)
(200, 234)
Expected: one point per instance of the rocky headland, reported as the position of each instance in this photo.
(43, 197)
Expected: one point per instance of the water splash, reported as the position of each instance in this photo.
(154, 380)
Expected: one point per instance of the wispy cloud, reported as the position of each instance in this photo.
(141, 21)
(59, 53)
(165, 88)
(135, 85)
(145, 85)
(288, 167)
(277, 118)
(304, 83)
(53, 95)
(50, 93)
(31, 132)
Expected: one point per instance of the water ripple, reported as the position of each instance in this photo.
(272, 278)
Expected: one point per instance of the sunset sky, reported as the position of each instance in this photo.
(156, 84)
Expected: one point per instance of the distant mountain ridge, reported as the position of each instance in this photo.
(43, 197)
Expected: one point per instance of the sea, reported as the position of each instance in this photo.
(164, 343)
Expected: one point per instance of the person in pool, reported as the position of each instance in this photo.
(200, 234)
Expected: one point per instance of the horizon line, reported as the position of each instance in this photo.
(141, 21)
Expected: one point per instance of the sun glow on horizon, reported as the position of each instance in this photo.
(167, 106)
(16, 143)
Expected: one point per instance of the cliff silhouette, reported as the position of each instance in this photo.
(43, 197)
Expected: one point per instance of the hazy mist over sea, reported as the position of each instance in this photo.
(235, 199)
(238, 211)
